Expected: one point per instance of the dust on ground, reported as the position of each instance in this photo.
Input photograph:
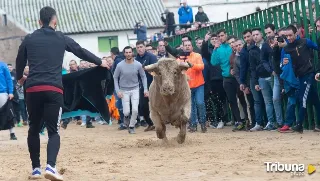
(105, 153)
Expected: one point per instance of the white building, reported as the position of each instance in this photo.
(97, 25)
(217, 10)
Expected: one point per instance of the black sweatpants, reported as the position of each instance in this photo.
(230, 85)
(44, 108)
(218, 96)
(144, 107)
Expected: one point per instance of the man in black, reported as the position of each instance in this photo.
(44, 50)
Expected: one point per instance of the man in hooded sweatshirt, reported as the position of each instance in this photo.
(201, 16)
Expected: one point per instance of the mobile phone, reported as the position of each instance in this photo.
(168, 39)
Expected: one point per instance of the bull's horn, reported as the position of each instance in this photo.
(151, 67)
(184, 65)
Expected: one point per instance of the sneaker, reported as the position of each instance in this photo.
(13, 136)
(52, 174)
(316, 129)
(220, 125)
(64, 125)
(137, 125)
(213, 125)
(298, 128)
(20, 124)
(238, 127)
(269, 127)
(36, 174)
(83, 124)
(203, 128)
(131, 131)
(149, 128)
(90, 126)
(143, 123)
(193, 129)
(122, 127)
(256, 128)
(25, 123)
(285, 129)
(229, 123)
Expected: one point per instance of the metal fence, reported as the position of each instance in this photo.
(302, 12)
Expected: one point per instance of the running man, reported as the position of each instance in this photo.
(44, 50)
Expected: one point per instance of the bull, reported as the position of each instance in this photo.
(169, 96)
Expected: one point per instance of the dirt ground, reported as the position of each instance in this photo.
(104, 153)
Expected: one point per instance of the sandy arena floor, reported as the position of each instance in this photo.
(104, 153)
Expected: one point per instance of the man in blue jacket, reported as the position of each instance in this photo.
(185, 15)
(6, 92)
(141, 31)
(145, 58)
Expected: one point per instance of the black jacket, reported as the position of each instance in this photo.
(169, 20)
(44, 50)
(256, 65)
(83, 90)
(301, 54)
(145, 60)
(7, 116)
(202, 17)
(276, 59)
(214, 72)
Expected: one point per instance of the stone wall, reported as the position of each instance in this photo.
(9, 47)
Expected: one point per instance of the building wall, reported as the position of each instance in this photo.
(9, 48)
(217, 10)
(90, 42)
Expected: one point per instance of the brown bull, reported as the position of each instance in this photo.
(169, 96)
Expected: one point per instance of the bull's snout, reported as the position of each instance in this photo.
(167, 90)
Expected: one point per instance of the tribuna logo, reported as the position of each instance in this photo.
(296, 169)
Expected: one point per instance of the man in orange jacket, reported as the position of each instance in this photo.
(196, 84)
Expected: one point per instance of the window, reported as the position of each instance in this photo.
(107, 42)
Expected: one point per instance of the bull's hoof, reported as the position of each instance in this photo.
(161, 134)
(181, 138)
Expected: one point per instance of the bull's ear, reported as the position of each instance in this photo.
(152, 69)
(184, 67)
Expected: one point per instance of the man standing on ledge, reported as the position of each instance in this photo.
(44, 50)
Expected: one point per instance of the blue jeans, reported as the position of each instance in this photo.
(23, 110)
(258, 107)
(266, 90)
(291, 107)
(277, 100)
(308, 92)
(119, 107)
(198, 106)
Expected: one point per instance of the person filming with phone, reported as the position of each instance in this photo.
(141, 31)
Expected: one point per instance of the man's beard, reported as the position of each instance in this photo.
(129, 58)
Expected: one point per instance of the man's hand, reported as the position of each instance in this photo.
(257, 87)
(274, 73)
(11, 96)
(207, 37)
(146, 94)
(105, 64)
(285, 61)
(21, 81)
(242, 87)
(120, 95)
(232, 72)
(247, 90)
(317, 77)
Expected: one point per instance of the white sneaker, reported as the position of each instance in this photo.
(83, 124)
(229, 123)
(36, 174)
(256, 128)
(52, 174)
(101, 122)
(220, 125)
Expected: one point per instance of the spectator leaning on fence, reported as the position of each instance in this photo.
(185, 15)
